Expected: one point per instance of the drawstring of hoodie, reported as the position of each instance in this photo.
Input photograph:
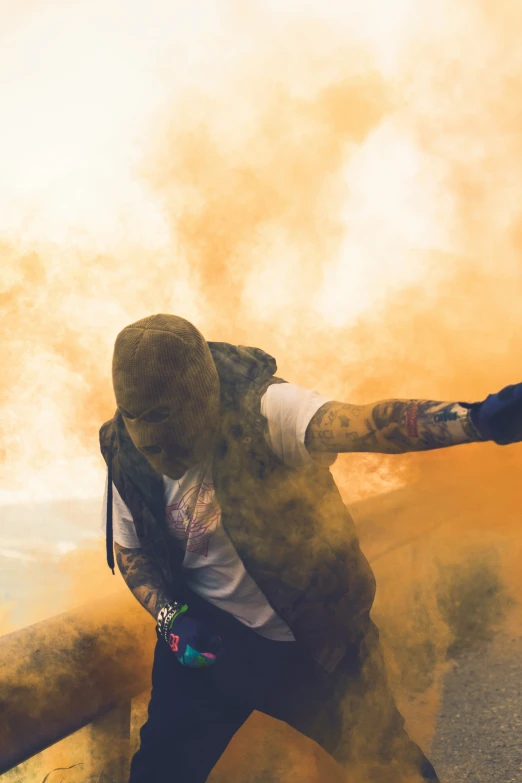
(109, 543)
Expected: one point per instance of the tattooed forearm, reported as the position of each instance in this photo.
(420, 425)
(389, 427)
(143, 577)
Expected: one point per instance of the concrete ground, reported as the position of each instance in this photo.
(479, 727)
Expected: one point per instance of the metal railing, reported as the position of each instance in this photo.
(77, 669)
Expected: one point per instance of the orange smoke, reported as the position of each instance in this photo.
(339, 187)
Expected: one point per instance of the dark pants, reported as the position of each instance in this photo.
(194, 713)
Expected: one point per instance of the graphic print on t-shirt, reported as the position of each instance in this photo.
(195, 517)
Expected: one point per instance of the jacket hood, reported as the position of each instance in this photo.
(240, 368)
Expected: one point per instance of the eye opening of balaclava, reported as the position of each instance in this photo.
(167, 389)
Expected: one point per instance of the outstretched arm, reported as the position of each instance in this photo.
(390, 427)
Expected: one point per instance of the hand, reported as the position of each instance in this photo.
(192, 642)
(499, 416)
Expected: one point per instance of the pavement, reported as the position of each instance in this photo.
(479, 728)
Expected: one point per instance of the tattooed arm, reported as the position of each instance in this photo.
(143, 577)
(389, 427)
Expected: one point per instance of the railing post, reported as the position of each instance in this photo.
(108, 746)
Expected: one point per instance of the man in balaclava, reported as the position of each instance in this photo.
(165, 366)
(229, 529)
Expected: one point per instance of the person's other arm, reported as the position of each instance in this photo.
(399, 426)
(143, 577)
(192, 642)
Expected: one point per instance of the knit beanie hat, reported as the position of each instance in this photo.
(167, 389)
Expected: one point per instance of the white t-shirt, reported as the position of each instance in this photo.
(212, 567)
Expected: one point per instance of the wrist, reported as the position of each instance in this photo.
(470, 425)
(166, 617)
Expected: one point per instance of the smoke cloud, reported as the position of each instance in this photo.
(338, 185)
